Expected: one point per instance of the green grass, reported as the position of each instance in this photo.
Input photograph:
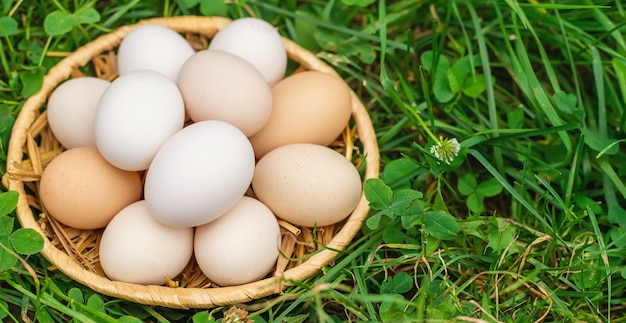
(526, 224)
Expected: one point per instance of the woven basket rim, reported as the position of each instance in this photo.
(182, 298)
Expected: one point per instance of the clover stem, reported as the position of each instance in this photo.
(422, 123)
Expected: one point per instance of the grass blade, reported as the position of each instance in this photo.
(494, 172)
(527, 78)
(486, 64)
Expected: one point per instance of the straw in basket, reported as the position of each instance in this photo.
(32, 146)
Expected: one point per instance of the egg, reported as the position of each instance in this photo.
(136, 248)
(239, 247)
(136, 114)
(79, 188)
(71, 108)
(307, 184)
(307, 107)
(199, 174)
(153, 47)
(220, 86)
(256, 41)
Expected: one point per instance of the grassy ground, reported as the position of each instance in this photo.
(525, 224)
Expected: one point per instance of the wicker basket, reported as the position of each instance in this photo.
(75, 252)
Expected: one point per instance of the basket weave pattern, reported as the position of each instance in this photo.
(32, 146)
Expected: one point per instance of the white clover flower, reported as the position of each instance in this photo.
(446, 149)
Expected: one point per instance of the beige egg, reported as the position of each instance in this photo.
(221, 86)
(307, 107)
(71, 109)
(136, 248)
(79, 188)
(239, 247)
(307, 184)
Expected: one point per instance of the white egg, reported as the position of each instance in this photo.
(71, 108)
(199, 174)
(153, 47)
(256, 41)
(136, 248)
(239, 247)
(135, 116)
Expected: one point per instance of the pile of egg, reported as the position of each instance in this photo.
(164, 156)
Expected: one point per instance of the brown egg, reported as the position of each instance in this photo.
(308, 107)
(79, 188)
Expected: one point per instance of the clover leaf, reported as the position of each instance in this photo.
(401, 283)
(61, 22)
(476, 192)
(23, 241)
(452, 79)
(8, 26)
